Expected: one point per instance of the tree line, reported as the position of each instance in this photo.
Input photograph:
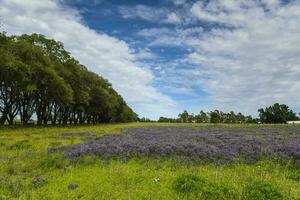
(40, 79)
(210, 117)
(277, 113)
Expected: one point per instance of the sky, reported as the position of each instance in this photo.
(166, 56)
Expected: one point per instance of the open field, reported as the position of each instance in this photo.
(147, 161)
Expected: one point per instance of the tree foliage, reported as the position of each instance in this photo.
(277, 113)
(38, 77)
(215, 116)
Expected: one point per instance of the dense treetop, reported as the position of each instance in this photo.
(39, 78)
(277, 113)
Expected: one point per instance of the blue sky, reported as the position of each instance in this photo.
(169, 55)
(111, 17)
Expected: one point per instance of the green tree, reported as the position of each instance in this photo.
(38, 77)
(12, 75)
(202, 117)
(184, 116)
(277, 113)
(215, 117)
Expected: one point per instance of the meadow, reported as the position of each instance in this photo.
(79, 162)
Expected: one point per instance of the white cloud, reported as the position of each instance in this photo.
(156, 15)
(271, 3)
(151, 32)
(143, 12)
(173, 18)
(109, 56)
(178, 2)
(248, 57)
(254, 60)
(145, 54)
(170, 37)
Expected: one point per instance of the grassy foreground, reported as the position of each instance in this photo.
(27, 171)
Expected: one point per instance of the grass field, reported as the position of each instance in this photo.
(29, 171)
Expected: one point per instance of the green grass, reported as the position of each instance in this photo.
(27, 171)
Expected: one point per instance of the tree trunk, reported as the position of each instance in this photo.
(10, 120)
(3, 117)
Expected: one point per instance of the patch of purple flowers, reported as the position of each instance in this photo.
(217, 144)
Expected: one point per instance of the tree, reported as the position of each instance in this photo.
(184, 116)
(166, 119)
(38, 77)
(12, 75)
(143, 119)
(202, 117)
(212, 117)
(277, 113)
(215, 117)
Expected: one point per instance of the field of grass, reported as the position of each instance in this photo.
(29, 171)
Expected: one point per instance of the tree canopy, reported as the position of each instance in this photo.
(215, 116)
(277, 113)
(39, 78)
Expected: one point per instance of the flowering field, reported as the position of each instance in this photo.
(150, 161)
(216, 144)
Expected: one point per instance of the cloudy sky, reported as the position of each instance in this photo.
(164, 56)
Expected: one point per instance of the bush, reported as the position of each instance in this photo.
(202, 188)
(260, 190)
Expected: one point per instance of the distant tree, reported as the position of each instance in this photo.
(184, 116)
(164, 119)
(277, 113)
(191, 118)
(240, 118)
(202, 117)
(143, 119)
(215, 117)
(251, 120)
(211, 117)
(169, 120)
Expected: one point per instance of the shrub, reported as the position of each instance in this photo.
(260, 190)
(202, 188)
